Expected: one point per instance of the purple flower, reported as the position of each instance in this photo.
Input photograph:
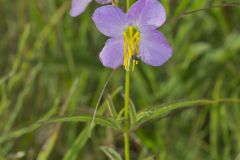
(79, 6)
(133, 35)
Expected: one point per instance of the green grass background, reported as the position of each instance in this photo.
(49, 67)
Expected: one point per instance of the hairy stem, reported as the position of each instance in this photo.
(126, 115)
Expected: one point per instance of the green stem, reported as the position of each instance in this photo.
(126, 109)
(128, 4)
(126, 116)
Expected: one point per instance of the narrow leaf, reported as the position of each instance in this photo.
(161, 110)
(82, 138)
(111, 107)
(111, 153)
(132, 112)
(78, 144)
(104, 121)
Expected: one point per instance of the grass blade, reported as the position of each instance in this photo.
(51, 140)
(111, 153)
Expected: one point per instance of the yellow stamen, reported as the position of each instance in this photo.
(131, 47)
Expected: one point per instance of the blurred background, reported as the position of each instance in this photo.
(49, 67)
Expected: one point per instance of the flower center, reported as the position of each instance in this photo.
(131, 47)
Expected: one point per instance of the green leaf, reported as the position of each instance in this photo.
(78, 144)
(181, 7)
(21, 97)
(161, 110)
(111, 107)
(50, 142)
(111, 153)
(119, 119)
(30, 128)
(132, 112)
(104, 121)
(82, 138)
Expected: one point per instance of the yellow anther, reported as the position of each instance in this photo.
(125, 35)
(131, 31)
(131, 47)
(137, 34)
(137, 39)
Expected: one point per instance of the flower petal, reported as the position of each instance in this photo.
(103, 1)
(154, 48)
(78, 7)
(110, 20)
(147, 12)
(112, 53)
